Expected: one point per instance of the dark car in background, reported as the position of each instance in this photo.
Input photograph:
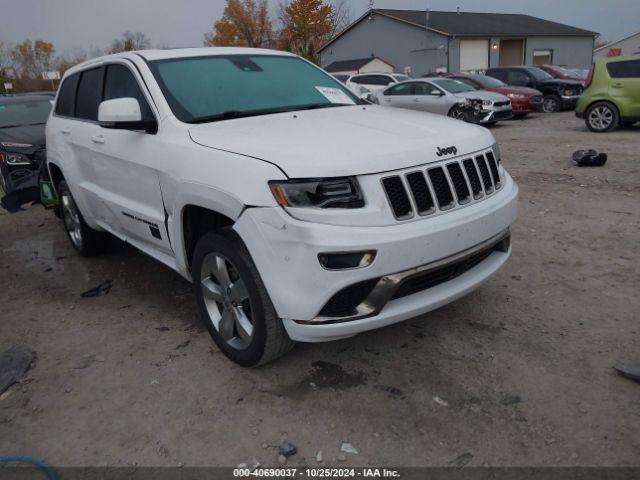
(558, 94)
(22, 141)
(524, 100)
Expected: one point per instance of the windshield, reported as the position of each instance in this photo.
(208, 89)
(539, 74)
(453, 86)
(401, 78)
(488, 82)
(17, 114)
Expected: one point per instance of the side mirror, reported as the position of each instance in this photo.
(124, 114)
(436, 93)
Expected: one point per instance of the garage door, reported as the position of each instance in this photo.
(474, 55)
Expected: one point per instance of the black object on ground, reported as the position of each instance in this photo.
(589, 158)
(13, 202)
(287, 449)
(101, 289)
(631, 371)
(14, 363)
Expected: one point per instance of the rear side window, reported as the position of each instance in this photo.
(401, 89)
(630, 69)
(381, 80)
(119, 82)
(89, 94)
(67, 96)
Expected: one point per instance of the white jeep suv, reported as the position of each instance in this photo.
(299, 212)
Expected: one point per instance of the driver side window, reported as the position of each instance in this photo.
(120, 83)
(518, 78)
(424, 89)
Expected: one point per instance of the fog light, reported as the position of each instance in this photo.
(347, 260)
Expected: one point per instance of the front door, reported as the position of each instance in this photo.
(511, 53)
(430, 99)
(125, 164)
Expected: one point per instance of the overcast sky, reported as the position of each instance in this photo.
(69, 23)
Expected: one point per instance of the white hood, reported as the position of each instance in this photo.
(342, 141)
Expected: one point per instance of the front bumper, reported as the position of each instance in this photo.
(285, 251)
(495, 115)
(570, 101)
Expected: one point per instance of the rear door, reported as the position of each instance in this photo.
(400, 96)
(79, 165)
(624, 86)
(126, 166)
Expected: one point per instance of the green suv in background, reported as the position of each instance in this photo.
(612, 94)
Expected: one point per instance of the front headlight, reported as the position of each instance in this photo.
(341, 192)
(518, 96)
(487, 103)
(15, 159)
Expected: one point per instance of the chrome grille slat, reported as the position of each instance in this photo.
(474, 178)
(421, 193)
(441, 187)
(484, 173)
(493, 166)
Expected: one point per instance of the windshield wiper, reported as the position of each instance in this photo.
(231, 114)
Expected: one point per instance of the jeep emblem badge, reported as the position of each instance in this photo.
(446, 151)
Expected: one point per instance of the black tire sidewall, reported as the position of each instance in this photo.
(558, 102)
(231, 247)
(610, 106)
(93, 241)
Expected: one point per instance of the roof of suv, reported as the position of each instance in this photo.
(151, 55)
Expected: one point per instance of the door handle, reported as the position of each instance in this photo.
(416, 100)
(65, 131)
(98, 139)
(617, 85)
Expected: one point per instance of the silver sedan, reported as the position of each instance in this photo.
(447, 96)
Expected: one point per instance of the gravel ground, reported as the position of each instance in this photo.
(517, 373)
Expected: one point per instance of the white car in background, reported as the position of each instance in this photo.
(446, 96)
(376, 82)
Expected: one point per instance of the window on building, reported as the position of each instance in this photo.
(543, 57)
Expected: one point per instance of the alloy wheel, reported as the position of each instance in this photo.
(550, 105)
(601, 117)
(71, 218)
(227, 301)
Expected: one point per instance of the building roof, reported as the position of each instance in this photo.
(355, 64)
(608, 45)
(476, 24)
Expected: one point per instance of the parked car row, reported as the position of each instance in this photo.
(606, 96)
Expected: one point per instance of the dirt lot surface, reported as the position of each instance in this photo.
(517, 373)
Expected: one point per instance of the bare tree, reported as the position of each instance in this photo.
(341, 17)
(128, 42)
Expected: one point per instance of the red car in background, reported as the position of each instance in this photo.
(523, 100)
(562, 73)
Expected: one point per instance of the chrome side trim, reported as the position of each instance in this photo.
(387, 286)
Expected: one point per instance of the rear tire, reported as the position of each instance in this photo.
(551, 104)
(86, 241)
(602, 117)
(233, 302)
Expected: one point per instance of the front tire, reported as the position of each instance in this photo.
(602, 117)
(551, 104)
(458, 113)
(233, 302)
(86, 241)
